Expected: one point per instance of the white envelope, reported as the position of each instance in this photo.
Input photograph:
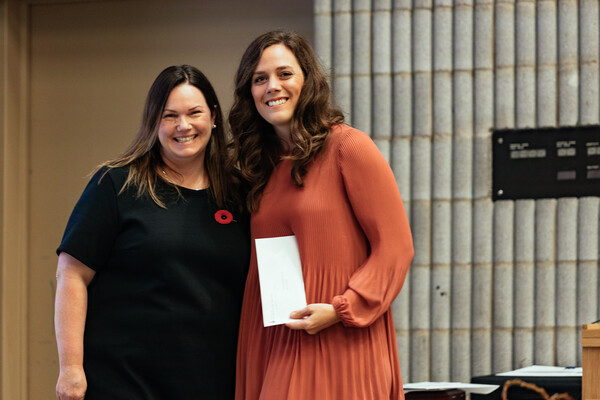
(280, 278)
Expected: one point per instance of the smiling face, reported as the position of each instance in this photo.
(276, 86)
(185, 126)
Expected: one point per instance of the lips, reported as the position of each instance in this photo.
(277, 102)
(185, 139)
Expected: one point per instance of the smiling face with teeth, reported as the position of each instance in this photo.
(185, 127)
(276, 86)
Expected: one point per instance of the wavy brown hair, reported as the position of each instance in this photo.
(143, 154)
(257, 148)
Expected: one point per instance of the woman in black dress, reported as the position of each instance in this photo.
(153, 261)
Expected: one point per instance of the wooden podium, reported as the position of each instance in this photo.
(590, 343)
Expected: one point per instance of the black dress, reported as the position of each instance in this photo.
(164, 305)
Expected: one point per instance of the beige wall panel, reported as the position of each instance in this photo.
(91, 65)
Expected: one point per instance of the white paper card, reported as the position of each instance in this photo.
(544, 370)
(280, 277)
(476, 388)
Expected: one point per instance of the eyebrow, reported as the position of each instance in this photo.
(189, 109)
(277, 69)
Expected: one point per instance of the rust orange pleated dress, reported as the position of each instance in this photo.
(355, 246)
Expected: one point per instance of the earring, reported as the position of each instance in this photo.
(214, 126)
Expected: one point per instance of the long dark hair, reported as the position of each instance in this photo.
(257, 148)
(143, 155)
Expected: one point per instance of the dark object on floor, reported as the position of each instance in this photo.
(552, 385)
(452, 394)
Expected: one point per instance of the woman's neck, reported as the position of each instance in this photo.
(285, 137)
(190, 175)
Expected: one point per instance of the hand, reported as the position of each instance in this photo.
(314, 318)
(71, 384)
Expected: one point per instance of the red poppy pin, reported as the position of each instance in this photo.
(223, 217)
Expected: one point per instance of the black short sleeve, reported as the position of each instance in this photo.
(93, 225)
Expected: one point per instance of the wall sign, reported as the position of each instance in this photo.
(546, 163)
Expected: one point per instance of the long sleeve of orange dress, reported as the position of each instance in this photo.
(378, 208)
(356, 247)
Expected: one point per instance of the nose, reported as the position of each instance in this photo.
(183, 123)
(273, 85)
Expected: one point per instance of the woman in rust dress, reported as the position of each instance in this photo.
(311, 176)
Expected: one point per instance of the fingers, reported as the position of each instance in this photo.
(70, 394)
(315, 318)
(297, 325)
(301, 313)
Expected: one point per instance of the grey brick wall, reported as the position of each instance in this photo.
(493, 285)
